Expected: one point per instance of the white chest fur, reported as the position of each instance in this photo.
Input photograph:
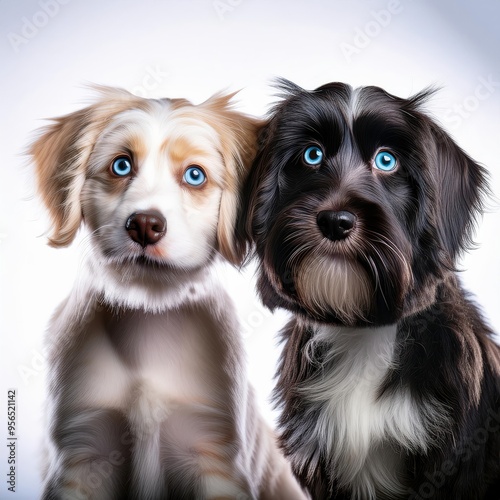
(171, 354)
(173, 375)
(356, 426)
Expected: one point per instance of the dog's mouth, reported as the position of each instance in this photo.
(356, 279)
(144, 264)
(144, 261)
(141, 261)
(343, 271)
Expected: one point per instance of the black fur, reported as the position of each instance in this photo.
(426, 208)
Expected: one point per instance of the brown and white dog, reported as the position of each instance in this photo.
(148, 394)
(359, 205)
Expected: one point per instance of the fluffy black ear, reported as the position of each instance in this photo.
(244, 237)
(260, 188)
(258, 191)
(461, 186)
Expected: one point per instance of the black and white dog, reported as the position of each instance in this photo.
(389, 383)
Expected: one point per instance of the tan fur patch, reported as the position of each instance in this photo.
(61, 154)
(334, 285)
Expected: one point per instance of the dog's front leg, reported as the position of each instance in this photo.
(219, 485)
(178, 454)
(90, 460)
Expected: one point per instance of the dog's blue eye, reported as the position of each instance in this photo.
(313, 155)
(385, 161)
(194, 176)
(121, 166)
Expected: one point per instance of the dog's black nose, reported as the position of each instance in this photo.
(336, 225)
(146, 228)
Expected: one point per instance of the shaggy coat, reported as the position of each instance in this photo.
(359, 206)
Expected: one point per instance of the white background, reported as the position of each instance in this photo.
(191, 49)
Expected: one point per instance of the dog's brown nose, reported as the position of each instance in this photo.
(336, 225)
(146, 228)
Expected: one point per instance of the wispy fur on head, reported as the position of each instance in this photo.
(387, 367)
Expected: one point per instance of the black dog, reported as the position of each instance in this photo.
(389, 383)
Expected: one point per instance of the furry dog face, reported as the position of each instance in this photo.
(357, 203)
(156, 183)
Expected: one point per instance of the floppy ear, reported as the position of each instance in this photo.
(258, 193)
(238, 134)
(461, 184)
(61, 154)
(260, 190)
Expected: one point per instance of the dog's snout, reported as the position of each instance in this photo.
(336, 225)
(146, 228)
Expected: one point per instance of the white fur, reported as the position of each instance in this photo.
(191, 221)
(357, 426)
